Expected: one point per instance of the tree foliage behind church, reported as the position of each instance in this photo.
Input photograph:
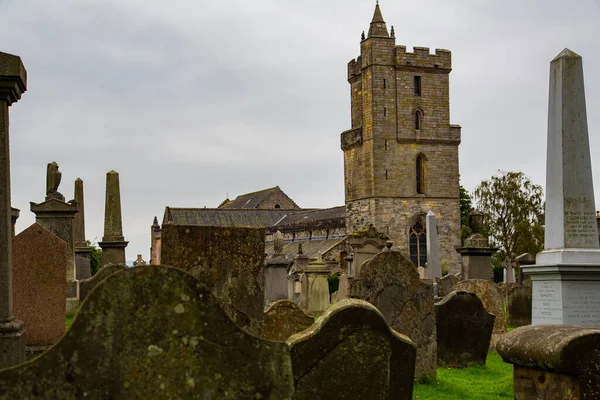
(513, 208)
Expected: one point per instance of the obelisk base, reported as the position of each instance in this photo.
(113, 252)
(12, 342)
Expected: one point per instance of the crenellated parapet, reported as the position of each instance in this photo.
(421, 58)
(354, 67)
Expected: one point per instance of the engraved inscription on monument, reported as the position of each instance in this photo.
(547, 303)
(582, 303)
(580, 223)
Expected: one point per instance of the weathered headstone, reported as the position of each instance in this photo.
(518, 305)
(464, 329)
(276, 273)
(153, 332)
(365, 244)
(434, 263)
(229, 261)
(39, 259)
(13, 82)
(113, 242)
(446, 284)
(351, 353)
(493, 301)
(283, 319)
(86, 285)
(390, 282)
(82, 250)
(553, 361)
(509, 271)
(566, 275)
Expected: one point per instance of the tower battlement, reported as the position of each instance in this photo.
(422, 58)
(354, 67)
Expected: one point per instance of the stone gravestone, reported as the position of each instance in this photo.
(518, 305)
(229, 261)
(82, 250)
(86, 285)
(316, 297)
(553, 361)
(39, 260)
(464, 329)
(566, 275)
(390, 282)
(113, 242)
(283, 319)
(276, 272)
(446, 284)
(13, 83)
(352, 353)
(493, 301)
(153, 332)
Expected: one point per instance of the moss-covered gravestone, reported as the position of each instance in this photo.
(283, 319)
(229, 261)
(352, 353)
(391, 283)
(153, 332)
(464, 329)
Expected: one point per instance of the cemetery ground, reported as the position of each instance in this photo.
(491, 381)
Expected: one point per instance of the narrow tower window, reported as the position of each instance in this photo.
(417, 85)
(420, 173)
(385, 111)
(384, 84)
(418, 119)
(386, 174)
(418, 244)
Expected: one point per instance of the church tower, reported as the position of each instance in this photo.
(401, 154)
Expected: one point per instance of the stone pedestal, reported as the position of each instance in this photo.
(476, 252)
(317, 287)
(113, 243)
(13, 82)
(276, 279)
(566, 275)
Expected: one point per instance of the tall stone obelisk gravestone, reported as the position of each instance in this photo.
(566, 275)
(57, 216)
(434, 263)
(113, 243)
(82, 250)
(13, 82)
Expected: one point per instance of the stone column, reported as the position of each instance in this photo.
(82, 251)
(113, 243)
(434, 263)
(566, 275)
(13, 82)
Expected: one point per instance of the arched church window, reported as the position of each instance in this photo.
(420, 173)
(418, 119)
(418, 244)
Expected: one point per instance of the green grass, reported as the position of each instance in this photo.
(68, 321)
(492, 381)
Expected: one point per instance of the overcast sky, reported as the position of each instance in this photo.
(191, 100)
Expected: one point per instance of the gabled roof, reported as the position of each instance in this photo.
(254, 199)
(223, 217)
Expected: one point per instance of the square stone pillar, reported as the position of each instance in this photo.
(13, 82)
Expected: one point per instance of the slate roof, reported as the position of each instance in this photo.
(224, 217)
(254, 199)
(326, 218)
(309, 247)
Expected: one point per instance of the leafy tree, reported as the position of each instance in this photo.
(466, 206)
(513, 208)
(95, 257)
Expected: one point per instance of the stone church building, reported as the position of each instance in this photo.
(400, 162)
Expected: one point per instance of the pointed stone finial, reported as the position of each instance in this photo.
(319, 257)
(378, 27)
(79, 218)
(155, 223)
(362, 36)
(278, 243)
(392, 32)
(113, 243)
(300, 248)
